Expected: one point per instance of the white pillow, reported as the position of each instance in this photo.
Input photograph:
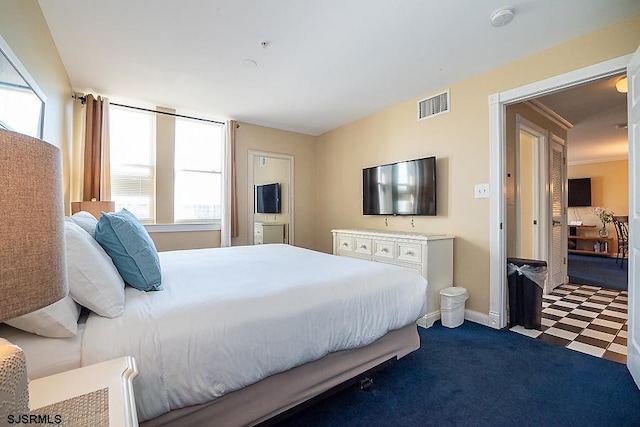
(86, 221)
(94, 281)
(58, 320)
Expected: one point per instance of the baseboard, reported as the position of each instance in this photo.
(477, 317)
(429, 319)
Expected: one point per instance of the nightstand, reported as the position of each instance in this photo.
(96, 395)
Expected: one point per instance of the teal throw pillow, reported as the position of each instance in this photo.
(131, 249)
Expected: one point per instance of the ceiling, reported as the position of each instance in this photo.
(324, 63)
(598, 113)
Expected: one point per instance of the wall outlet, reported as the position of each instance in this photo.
(482, 191)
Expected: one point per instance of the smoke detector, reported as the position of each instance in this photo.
(502, 17)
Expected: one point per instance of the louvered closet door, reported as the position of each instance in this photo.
(557, 268)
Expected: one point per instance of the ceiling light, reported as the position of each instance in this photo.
(621, 85)
(502, 17)
(249, 63)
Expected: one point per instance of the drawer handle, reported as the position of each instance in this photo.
(410, 253)
(363, 246)
(345, 244)
(384, 250)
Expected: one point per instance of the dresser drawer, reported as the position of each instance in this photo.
(384, 249)
(363, 246)
(345, 244)
(411, 266)
(409, 252)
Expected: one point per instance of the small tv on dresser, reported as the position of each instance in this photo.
(403, 188)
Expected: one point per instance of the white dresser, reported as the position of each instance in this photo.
(429, 254)
(268, 232)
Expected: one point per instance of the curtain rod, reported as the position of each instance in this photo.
(83, 99)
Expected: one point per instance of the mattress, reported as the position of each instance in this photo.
(229, 317)
(46, 356)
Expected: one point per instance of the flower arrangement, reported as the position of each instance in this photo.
(606, 217)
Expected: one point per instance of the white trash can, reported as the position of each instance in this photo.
(452, 306)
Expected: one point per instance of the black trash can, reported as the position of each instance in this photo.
(526, 279)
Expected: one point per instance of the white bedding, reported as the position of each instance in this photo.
(229, 317)
(46, 356)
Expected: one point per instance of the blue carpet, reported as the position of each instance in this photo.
(477, 376)
(597, 271)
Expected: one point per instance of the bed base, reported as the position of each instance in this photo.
(363, 380)
(281, 393)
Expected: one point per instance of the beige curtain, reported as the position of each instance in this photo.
(229, 223)
(97, 172)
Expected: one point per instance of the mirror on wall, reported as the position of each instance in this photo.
(270, 198)
(21, 100)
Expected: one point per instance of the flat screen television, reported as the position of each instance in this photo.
(579, 192)
(403, 188)
(268, 198)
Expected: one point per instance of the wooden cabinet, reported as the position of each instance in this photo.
(584, 239)
(431, 255)
(268, 232)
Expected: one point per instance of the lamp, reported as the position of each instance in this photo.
(33, 271)
(94, 207)
(621, 85)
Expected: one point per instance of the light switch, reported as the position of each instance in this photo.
(482, 191)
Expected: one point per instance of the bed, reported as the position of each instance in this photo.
(231, 325)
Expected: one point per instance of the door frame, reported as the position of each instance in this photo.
(497, 155)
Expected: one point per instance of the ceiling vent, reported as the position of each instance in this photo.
(434, 106)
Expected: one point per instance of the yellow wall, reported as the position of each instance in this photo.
(303, 149)
(24, 29)
(460, 140)
(609, 190)
(173, 241)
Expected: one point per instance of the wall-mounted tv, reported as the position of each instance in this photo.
(268, 198)
(403, 188)
(579, 192)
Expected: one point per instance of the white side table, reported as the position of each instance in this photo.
(97, 395)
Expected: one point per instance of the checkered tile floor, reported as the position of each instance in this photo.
(588, 319)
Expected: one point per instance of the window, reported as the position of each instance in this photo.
(189, 161)
(198, 171)
(132, 145)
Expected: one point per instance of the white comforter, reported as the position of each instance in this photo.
(229, 317)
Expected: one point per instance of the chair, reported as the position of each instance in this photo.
(622, 230)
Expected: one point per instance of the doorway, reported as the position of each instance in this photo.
(498, 104)
(567, 334)
(529, 140)
(268, 172)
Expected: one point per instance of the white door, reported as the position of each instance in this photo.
(633, 96)
(531, 203)
(557, 268)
